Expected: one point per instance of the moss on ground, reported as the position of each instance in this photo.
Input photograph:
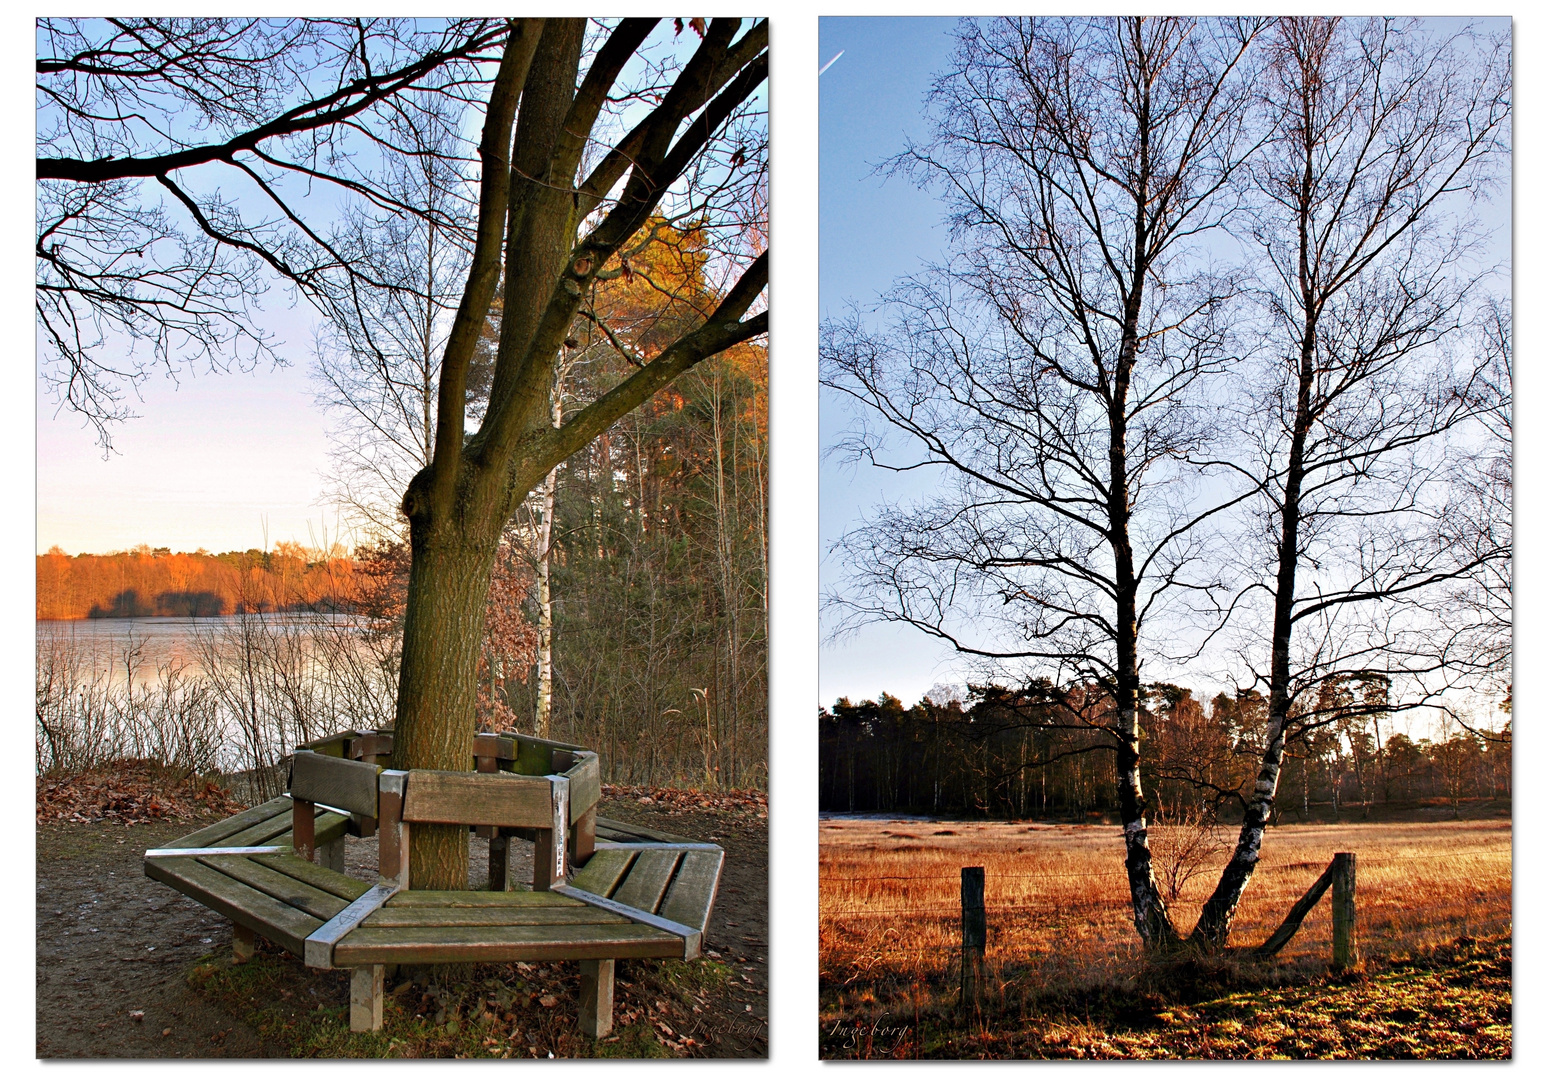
(1451, 1002)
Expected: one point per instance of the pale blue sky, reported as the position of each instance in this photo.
(224, 462)
(873, 230)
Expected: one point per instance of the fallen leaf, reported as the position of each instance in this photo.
(547, 1001)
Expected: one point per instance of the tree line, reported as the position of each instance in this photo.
(145, 582)
(1041, 753)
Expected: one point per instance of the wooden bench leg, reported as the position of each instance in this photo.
(596, 997)
(544, 857)
(582, 838)
(367, 988)
(331, 855)
(244, 943)
(499, 864)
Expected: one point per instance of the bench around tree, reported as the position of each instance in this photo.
(601, 890)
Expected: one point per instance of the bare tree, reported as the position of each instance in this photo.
(1383, 135)
(1051, 372)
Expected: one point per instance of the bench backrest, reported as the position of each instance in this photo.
(336, 782)
(458, 798)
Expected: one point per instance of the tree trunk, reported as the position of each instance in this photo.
(1218, 913)
(448, 587)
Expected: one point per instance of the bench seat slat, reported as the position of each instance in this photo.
(471, 899)
(459, 944)
(218, 832)
(258, 911)
(647, 879)
(318, 877)
(624, 831)
(603, 871)
(691, 896)
(505, 915)
(262, 833)
(282, 887)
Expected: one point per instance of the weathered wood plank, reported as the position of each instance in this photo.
(479, 899)
(371, 745)
(585, 786)
(1345, 942)
(491, 915)
(258, 911)
(319, 946)
(282, 887)
(489, 744)
(333, 746)
(691, 896)
(534, 757)
(596, 984)
(458, 944)
(624, 831)
(478, 799)
(303, 825)
(244, 944)
(318, 877)
(603, 872)
(1296, 915)
(339, 782)
(367, 993)
(232, 825)
(262, 833)
(647, 879)
(582, 838)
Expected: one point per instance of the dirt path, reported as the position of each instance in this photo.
(112, 943)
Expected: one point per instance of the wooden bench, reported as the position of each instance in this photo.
(601, 891)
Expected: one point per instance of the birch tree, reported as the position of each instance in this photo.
(1052, 372)
(1384, 134)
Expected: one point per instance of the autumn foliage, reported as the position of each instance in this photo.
(146, 582)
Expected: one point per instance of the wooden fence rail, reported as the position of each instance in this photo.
(1340, 877)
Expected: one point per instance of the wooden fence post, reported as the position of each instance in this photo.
(974, 939)
(1345, 944)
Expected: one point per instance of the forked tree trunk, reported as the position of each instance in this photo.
(531, 205)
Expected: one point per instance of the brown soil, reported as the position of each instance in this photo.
(112, 944)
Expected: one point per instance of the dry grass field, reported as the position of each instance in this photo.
(1058, 911)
